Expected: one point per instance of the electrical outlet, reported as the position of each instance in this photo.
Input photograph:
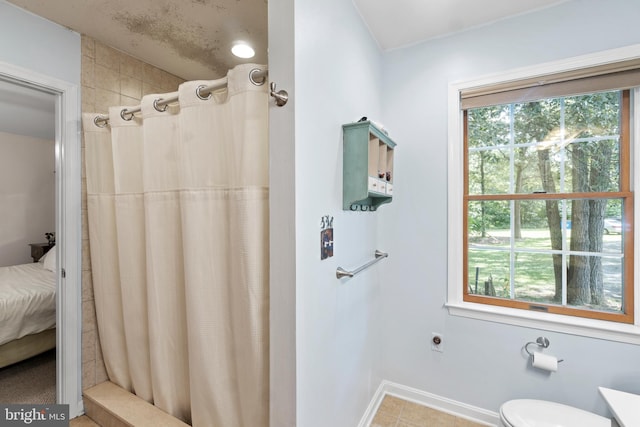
(437, 342)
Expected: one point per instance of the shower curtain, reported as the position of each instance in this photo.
(177, 202)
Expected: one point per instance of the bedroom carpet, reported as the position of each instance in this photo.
(30, 381)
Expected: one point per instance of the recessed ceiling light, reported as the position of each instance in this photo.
(243, 50)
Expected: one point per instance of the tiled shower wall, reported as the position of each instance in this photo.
(109, 78)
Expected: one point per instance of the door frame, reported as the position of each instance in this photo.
(68, 229)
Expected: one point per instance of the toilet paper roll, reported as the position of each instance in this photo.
(544, 361)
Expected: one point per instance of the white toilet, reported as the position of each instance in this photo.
(541, 413)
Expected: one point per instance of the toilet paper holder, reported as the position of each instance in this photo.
(541, 342)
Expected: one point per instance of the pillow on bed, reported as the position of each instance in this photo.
(49, 262)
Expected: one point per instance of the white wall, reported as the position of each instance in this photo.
(27, 195)
(337, 80)
(482, 364)
(282, 244)
(32, 42)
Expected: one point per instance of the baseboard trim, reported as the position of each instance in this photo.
(459, 409)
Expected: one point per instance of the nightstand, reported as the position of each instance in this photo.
(38, 250)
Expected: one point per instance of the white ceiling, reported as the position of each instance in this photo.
(26, 111)
(398, 23)
(192, 38)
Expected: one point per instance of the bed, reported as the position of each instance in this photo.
(27, 309)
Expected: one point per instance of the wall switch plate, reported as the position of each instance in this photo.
(437, 342)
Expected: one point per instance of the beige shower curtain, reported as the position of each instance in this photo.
(178, 226)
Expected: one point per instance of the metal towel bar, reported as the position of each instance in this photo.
(341, 272)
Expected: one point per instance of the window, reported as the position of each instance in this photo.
(546, 197)
(541, 206)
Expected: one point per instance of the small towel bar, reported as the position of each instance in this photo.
(341, 272)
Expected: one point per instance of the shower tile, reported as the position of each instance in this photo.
(107, 78)
(107, 56)
(86, 254)
(131, 67)
(85, 236)
(88, 374)
(152, 75)
(131, 87)
(87, 74)
(170, 82)
(99, 357)
(101, 372)
(106, 99)
(89, 345)
(83, 169)
(148, 88)
(87, 286)
(88, 46)
(132, 102)
(88, 100)
(88, 316)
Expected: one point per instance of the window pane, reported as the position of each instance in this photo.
(489, 171)
(533, 231)
(593, 166)
(593, 115)
(592, 125)
(613, 227)
(488, 273)
(538, 122)
(489, 224)
(536, 169)
(535, 278)
(488, 126)
(595, 282)
(595, 226)
(612, 284)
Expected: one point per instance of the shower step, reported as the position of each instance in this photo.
(111, 406)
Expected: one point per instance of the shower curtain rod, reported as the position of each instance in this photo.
(257, 76)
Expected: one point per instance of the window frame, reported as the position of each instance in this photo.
(623, 193)
(456, 304)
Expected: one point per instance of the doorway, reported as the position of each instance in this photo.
(67, 264)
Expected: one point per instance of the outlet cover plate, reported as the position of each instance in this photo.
(437, 346)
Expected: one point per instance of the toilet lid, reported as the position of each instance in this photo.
(540, 413)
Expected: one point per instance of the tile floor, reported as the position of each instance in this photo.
(396, 412)
(393, 412)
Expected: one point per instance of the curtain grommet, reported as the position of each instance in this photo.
(123, 114)
(157, 107)
(257, 83)
(101, 121)
(199, 94)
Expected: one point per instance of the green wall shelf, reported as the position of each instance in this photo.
(367, 167)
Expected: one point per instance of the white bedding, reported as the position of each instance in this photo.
(27, 300)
